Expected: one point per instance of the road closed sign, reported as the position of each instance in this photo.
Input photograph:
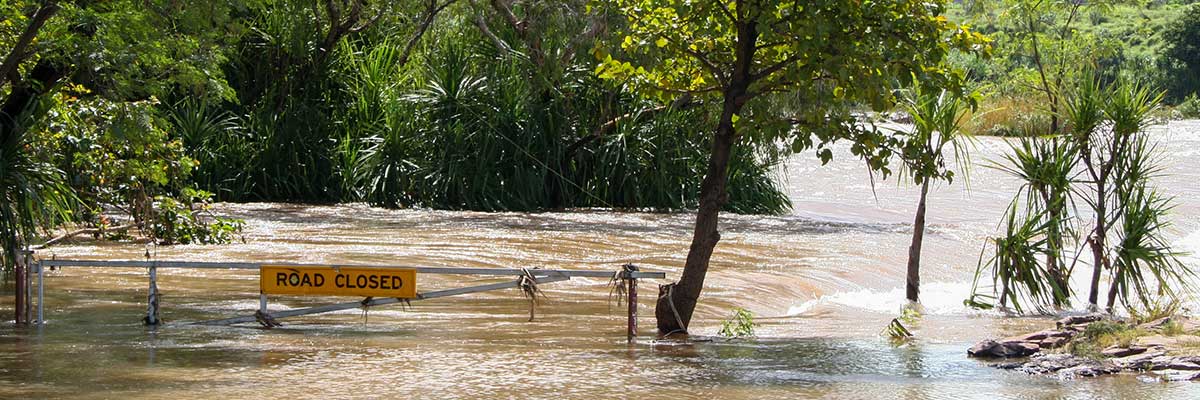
(339, 281)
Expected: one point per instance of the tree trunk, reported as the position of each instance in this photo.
(20, 51)
(1037, 59)
(675, 317)
(1003, 294)
(1097, 243)
(1112, 296)
(1058, 277)
(913, 286)
(23, 97)
(677, 301)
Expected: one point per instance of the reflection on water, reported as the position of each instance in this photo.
(823, 282)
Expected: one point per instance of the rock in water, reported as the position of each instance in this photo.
(994, 349)
(1117, 351)
(1079, 320)
(1088, 369)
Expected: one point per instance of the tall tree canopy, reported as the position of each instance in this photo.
(783, 71)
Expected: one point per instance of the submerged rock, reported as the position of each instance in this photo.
(1089, 369)
(1007, 349)
(1078, 320)
(1139, 361)
(1174, 364)
(1066, 366)
(1174, 376)
(1047, 363)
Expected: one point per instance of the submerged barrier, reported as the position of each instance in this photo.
(377, 284)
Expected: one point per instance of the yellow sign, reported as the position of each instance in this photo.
(339, 281)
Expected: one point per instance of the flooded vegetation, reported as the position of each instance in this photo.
(830, 199)
(822, 283)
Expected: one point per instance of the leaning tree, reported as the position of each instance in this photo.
(782, 71)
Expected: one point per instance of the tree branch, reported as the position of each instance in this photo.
(481, 23)
(8, 70)
(725, 10)
(431, 12)
(683, 102)
(85, 231)
(775, 68)
(712, 68)
(598, 26)
(508, 15)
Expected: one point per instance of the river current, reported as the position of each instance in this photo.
(822, 283)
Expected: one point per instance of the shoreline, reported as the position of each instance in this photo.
(1166, 348)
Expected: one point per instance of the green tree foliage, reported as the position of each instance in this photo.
(33, 194)
(1042, 45)
(1181, 54)
(116, 59)
(136, 104)
(816, 60)
(497, 111)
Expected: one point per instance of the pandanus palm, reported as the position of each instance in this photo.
(1110, 126)
(1046, 165)
(33, 193)
(938, 119)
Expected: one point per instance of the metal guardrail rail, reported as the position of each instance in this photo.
(629, 274)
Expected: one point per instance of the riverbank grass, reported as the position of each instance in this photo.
(1177, 335)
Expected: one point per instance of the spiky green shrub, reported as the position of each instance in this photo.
(1046, 167)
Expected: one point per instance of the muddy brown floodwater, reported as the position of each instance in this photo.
(823, 282)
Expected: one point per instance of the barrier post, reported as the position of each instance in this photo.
(631, 289)
(27, 259)
(152, 298)
(19, 271)
(41, 316)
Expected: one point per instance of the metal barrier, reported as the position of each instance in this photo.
(628, 275)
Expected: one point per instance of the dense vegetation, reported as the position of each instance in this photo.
(147, 111)
(145, 107)
(1043, 45)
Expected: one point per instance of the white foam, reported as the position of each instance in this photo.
(937, 298)
(1190, 245)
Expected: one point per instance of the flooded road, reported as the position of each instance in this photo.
(822, 282)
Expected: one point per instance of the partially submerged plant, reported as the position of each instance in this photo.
(529, 288)
(188, 219)
(1016, 272)
(897, 332)
(1106, 137)
(938, 119)
(1046, 166)
(740, 324)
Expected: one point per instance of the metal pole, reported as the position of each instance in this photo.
(27, 256)
(19, 269)
(631, 289)
(633, 309)
(41, 316)
(381, 301)
(262, 302)
(152, 308)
